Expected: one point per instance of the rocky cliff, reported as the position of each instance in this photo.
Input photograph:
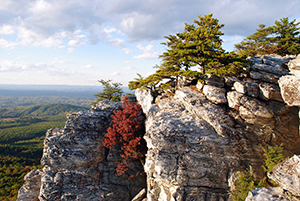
(198, 139)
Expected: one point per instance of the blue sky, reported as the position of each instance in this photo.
(76, 42)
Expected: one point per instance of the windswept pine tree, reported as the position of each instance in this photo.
(282, 38)
(199, 45)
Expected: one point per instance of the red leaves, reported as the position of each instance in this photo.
(123, 132)
(121, 169)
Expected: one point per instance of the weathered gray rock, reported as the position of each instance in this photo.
(233, 98)
(145, 99)
(267, 194)
(92, 120)
(77, 165)
(249, 87)
(264, 76)
(215, 94)
(230, 80)
(31, 189)
(197, 104)
(287, 175)
(240, 87)
(269, 68)
(290, 89)
(269, 91)
(190, 154)
(294, 66)
(186, 157)
(214, 80)
(185, 81)
(199, 85)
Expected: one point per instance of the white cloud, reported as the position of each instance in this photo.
(72, 44)
(36, 21)
(109, 30)
(7, 30)
(116, 42)
(126, 50)
(129, 68)
(6, 44)
(148, 52)
(89, 67)
(13, 66)
(116, 73)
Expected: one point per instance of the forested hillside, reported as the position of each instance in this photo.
(22, 132)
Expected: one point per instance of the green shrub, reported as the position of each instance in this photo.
(245, 180)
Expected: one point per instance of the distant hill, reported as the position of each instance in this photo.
(12, 96)
(40, 110)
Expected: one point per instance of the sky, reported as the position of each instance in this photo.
(78, 42)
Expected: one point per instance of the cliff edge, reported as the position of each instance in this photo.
(198, 139)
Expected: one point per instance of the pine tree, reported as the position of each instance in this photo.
(257, 43)
(199, 45)
(111, 91)
(282, 38)
(287, 37)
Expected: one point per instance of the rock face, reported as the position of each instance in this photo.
(31, 189)
(79, 167)
(198, 140)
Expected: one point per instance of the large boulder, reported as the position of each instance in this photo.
(290, 84)
(290, 90)
(287, 175)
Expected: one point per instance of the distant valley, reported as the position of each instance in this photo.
(12, 96)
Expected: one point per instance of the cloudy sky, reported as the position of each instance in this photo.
(77, 42)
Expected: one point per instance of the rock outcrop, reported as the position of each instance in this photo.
(79, 167)
(198, 139)
(31, 188)
(287, 173)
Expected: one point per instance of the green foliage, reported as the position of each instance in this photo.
(245, 180)
(287, 37)
(200, 45)
(111, 92)
(273, 155)
(282, 38)
(244, 184)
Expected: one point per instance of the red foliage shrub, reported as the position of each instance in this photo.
(121, 169)
(27, 168)
(124, 132)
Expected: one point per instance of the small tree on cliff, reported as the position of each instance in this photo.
(111, 91)
(282, 38)
(199, 45)
(126, 132)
